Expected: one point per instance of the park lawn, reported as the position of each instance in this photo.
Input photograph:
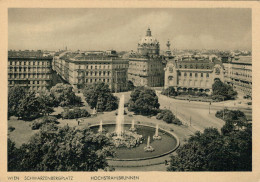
(22, 132)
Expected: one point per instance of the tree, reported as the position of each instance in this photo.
(65, 149)
(15, 94)
(29, 106)
(144, 101)
(222, 90)
(130, 85)
(47, 102)
(213, 151)
(64, 95)
(13, 156)
(166, 115)
(170, 91)
(99, 96)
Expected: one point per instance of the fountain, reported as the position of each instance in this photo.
(133, 126)
(148, 148)
(120, 117)
(120, 137)
(128, 138)
(100, 130)
(156, 136)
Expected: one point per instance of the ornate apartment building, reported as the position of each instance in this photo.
(238, 73)
(80, 69)
(194, 75)
(30, 69)
(146, 67)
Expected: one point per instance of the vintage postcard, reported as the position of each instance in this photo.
(129, 91)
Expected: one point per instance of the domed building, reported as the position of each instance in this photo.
(148, 45)
(146, 67)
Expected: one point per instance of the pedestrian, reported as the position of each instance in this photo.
(166, 162)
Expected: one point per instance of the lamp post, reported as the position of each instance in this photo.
(223, 109)
(209, 107)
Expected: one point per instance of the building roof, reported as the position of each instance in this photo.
(28, 54)
(243, 60)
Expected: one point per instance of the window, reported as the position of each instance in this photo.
(196, 74)
(33, 63)
(201, 75)
(190, 74)
(86, 80)
(179, 73)
(185, 74)
(207, 75)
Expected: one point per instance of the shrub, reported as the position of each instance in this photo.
(177, 121)
(74, 113)
(38, 123)
(166, 115)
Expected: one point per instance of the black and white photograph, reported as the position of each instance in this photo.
(129, 89)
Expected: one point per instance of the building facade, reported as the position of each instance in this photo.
(193, 75)
(146, 67)
(238, 73)
(80, 69)
(30, 69)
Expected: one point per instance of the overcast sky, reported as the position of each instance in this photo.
(120, 29)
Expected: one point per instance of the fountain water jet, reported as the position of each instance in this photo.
(133, 126)
(100, 127)
(120, 137)
(120, 117)
(156, 135)
(148, 148)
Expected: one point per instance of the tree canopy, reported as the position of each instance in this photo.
(61, 149)
(143, 101)
(15, 94)
(64, 96)
(170, 91)
(211, 150)
(221, 90)
(99, 96)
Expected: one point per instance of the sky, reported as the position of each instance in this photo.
(121, 29)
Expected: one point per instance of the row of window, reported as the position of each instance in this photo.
(29, 82)
(195, 74)
(94, 80)
(195, 83)
(10, 76)
(28, 62)
(105, 73)
(196, 66)
(28, 69)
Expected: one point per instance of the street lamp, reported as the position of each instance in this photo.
(209, 107)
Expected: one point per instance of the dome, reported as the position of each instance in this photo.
(148, 40)
(148, 45)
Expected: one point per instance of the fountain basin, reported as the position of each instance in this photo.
(169, 143)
